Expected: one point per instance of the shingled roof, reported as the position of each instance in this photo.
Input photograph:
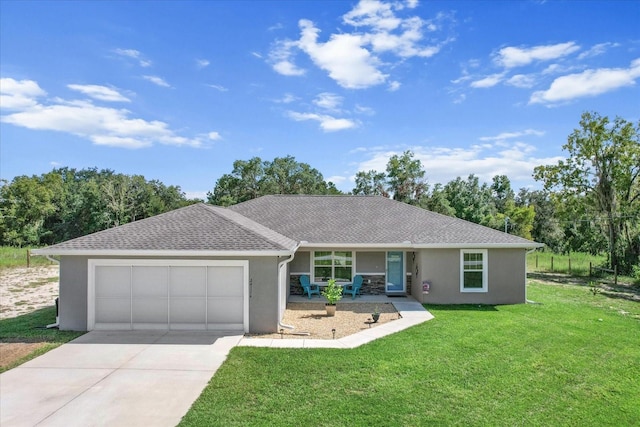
(196, 229)
(369, 220)
(276, 225)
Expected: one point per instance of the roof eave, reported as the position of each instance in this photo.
(160, 253)
(409, 245)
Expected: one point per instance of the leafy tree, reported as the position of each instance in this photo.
(371, 183)
(254, 178)
(405, 177)
(546, 227)
(470, 200)
(603, 165)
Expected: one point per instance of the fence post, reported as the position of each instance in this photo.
(615, 275)
(569, 265)
(590, 275)
(28, 258)
(536, 261)
(552, 264)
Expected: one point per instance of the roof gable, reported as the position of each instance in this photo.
(195, 228)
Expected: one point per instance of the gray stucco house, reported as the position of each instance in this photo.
(208, 267)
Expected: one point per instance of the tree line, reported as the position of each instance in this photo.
(589, 202)
(67, 203)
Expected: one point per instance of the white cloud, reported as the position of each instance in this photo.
(511, 57)
(19, 94)
(524, 81)
(488, 81)
(597, 49)
(101, 93)
(218, 88)
(327, 123)
(288, 98)
(342, 56)
(587, 83)
(214, 136)
(336, 179)
(280, 58)
(134, 54)
(101, 125)
(157, 81)
(202, 195)
(257, 55)
(368, 111)
(394, 86)
(328, 101)
(443, 164)
(354, 59)
(511, 135)
(202, 63)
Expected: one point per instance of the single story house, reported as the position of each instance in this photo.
(209, 267)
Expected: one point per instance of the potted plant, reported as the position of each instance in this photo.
(375, 315)
(333, 294)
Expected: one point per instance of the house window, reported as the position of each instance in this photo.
(333, 265)
(473, 274)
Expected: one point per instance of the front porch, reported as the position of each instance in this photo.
(364, 299)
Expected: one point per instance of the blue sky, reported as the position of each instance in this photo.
(177, 91)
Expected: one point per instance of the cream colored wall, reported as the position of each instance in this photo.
(506, 277)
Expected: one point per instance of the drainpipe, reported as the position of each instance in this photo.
(525, 277)
(57, 324)
(281, 265)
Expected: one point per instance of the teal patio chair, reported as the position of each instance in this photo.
(308, 287)
(353, 288)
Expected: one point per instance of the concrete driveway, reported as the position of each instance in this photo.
(132, 378)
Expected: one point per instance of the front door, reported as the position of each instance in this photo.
(395, 272)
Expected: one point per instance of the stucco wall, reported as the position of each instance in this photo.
(506, 277)
(263, 291)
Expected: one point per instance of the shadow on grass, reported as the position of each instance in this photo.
(629, 292)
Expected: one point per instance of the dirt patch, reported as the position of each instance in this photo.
(349, 319)
(10, 352)
(23, 290)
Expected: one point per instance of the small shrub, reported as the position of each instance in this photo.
(594, 288)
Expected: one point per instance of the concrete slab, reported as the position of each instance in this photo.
(128, 378)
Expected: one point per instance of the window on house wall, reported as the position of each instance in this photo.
(332, 265)
(473, 274)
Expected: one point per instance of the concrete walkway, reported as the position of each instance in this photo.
(132, 378)
(141, 378)
(411, 312)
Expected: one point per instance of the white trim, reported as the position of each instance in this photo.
(405, 246)
(161, 253)
(91, 284)
(312, 258)
(485, 270)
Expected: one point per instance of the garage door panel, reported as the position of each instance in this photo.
(113, 310)
(187, 310)
(113, 281)
(221, 310)
(151, 310)
(225, 281)
(176, 294)
(187, 281)
(150, 281)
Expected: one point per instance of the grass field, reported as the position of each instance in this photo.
(28, 328)
(11, 257)
(571, 359)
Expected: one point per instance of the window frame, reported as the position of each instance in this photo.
(333, 265)
(485, 270)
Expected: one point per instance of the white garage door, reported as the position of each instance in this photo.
(168, 294)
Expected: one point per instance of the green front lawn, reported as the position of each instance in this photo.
(29, 328)
(571, 359)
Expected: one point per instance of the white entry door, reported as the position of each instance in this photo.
(168, 294)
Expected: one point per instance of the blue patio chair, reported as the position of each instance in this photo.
(353, 288)
(308, 287)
